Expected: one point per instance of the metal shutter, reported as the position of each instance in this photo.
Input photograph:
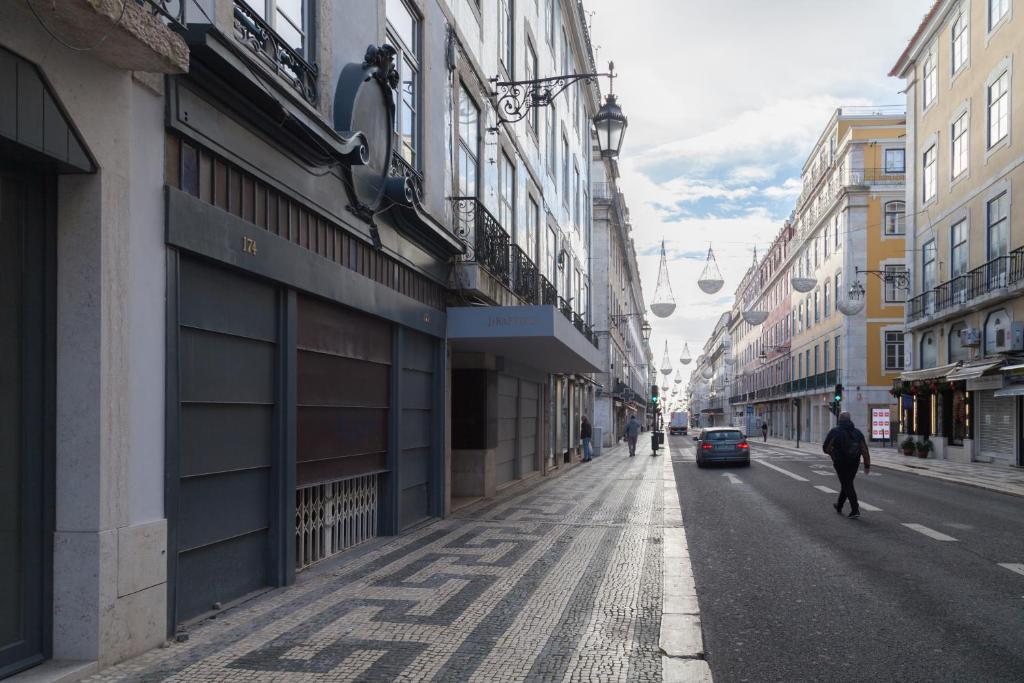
(997, 426)
(529, 410)
(417, 442)
(508, 428)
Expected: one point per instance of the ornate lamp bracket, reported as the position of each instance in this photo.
(514, 99)
(897, 278)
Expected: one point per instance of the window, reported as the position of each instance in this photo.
(576, 196)
(999, 109)
(958, 250)
(835, 350)
(998, 239)
(506, 35)
(929, 351)
(827, 303)
(826, 241)
(469, 144)
(931, 79)
(565, 172)
(288, 19)
(895, 218)
(838, 288)
(553, 142)
(807, 361)
(960, 41)
(403, 34)
(839, 242)
(929, 174)
(817, 252)
(825, 353)
(895, 161)
(507, 196)
(551, 257)
(550, 22)
(928, 266)
(817, 358)
(957, 351)
(799, 366)
(531, 75)
(817, 310)
(893, 350)
(532, 225)
(894, 294)
(997, 9)
(959, 150)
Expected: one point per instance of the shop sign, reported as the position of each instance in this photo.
(880, 423)
(985, 383)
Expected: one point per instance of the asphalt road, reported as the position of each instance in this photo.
(790, 591)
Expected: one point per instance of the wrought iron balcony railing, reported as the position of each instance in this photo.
(275, 52)
(992, 276)
(487, 243)
(401, 168)
(524, 276)
(172, 12)
(565, 308)
(548, 294)
(577, 321)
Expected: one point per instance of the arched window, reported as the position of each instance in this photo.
(956, 350)
(929, 351)
(895, 218)
(997, 331)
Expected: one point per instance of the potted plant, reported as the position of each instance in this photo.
(908, 446)
(924, 448)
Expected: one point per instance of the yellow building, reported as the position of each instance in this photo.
(965, 208)
(847, 272)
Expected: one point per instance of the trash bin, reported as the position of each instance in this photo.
(595, 443)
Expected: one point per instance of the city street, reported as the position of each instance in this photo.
(928, 585)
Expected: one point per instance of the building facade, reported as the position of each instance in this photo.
(619, 311)
(965, 316)
(289, 284)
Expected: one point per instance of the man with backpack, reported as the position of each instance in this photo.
(845, 444)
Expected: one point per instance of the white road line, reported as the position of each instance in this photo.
(733, 479)
(779, 469)
(1019, 568)
(867, 506)
(824, 473)
(930, 533)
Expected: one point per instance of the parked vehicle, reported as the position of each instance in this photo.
(722, 444)
(680, 423)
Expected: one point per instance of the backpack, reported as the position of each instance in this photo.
(847, 448)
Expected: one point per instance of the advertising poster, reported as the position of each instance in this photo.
(880, 423)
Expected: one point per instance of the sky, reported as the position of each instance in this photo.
(725, 99)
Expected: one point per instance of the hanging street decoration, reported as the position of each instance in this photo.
(678, 378)
(666, 364)
(664, 304)
(685, 358)
(711, 277)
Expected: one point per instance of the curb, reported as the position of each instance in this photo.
(681, 639)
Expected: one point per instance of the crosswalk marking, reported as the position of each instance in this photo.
(866, 506)
(930, 533)
(825, 489)
(1019, 568)
(779, 469)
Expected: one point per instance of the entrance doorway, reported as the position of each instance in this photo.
(24, 446)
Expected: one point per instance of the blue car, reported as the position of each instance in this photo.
(722, 444)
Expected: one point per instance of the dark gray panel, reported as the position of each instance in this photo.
(504, 472)
(528, 428)
(327, 380)
(220, 438)
(507, 428)
(413, 505)
(325, 433)
(417, 389)
(215, 298)
(529, 390)
(508, 386)
(417, 352)
(222, 506)
(416, 430)
(8, 86)
(30, 106)
(332, 329)
(220, 573)
(414, 467)
(55, 130)
(224, 369)
(507, 406)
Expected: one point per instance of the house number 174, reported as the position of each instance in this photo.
(248, 245)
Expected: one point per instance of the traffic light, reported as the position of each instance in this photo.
(654, 394)
(838, 393)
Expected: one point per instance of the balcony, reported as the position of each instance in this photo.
(401, 168)
(990, 281)
(487, 243)
(274, 52)
(524, 276)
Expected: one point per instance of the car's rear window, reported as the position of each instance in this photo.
(724, 436)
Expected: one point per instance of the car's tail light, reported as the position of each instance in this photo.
(706, 446)
(744, 444)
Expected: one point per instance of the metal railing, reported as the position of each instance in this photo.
(488, 243)
(548, 293)
(992, 276)
(874, 176)
(577, 321)
(275, 52)
(524, 276)
(565, 308)
(333, 516)
(171, 12)
(401, 168)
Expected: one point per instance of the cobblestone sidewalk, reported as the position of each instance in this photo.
(558, 581)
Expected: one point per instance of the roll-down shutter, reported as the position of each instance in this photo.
(997, 426)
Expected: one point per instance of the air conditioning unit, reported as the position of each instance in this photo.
(970, 336)
(1010, 338)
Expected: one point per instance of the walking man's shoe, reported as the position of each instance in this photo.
(854, 514)
(838, 507)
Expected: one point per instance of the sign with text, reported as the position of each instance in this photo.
(880, 423)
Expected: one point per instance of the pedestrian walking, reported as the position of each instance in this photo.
(585, 433)
(845, 444)
(764, 431)
(632, 434)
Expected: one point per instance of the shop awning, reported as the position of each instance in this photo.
(1014, 369)
(928, 373)
(1012, 390)
(972, 370)
(534, 336)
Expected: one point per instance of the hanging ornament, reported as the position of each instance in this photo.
(666, 364)
(664, 303)
(664, 388)
(708, 372)
(853, 302)
(799, 280)
(678, 379)
(729, 359)
(711, 278)
(685, 358)
(752, 313)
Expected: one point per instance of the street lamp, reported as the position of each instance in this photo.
(611, 124)
(645, 331)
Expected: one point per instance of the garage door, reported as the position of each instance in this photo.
(508, 409)
(529, 411)
(997, 427)
(227, 358)
(418, 437)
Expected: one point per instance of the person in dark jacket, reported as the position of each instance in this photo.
(845, 444)
(764, 431)
(585, 434)
(632, 434)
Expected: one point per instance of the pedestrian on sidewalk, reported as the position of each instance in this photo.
(632, 434)
(845, 444)
(764, 431)
(585, 433)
